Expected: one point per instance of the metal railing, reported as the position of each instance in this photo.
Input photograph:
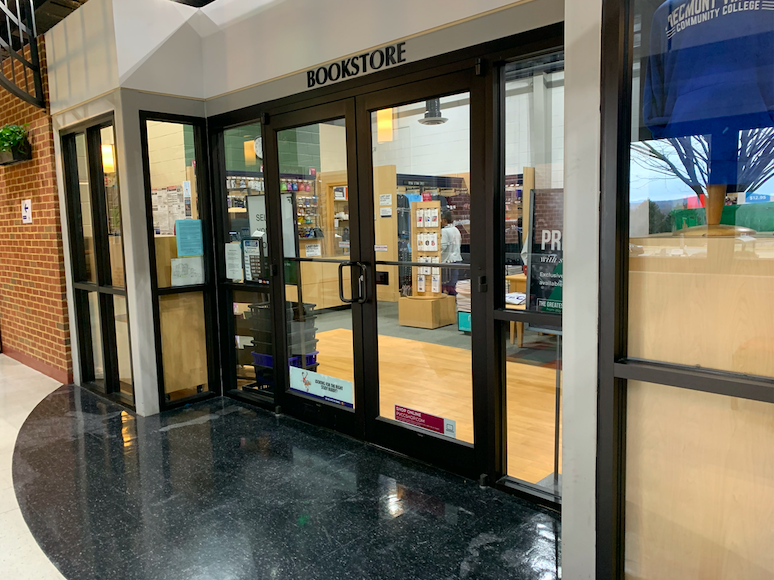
(20, 72)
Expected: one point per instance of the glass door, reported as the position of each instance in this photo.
(99, 283)
(312, 202)
(419, 188)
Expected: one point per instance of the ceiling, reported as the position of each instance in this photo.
(48, 13)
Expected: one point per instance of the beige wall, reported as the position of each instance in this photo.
(699, 483)
(166, 146)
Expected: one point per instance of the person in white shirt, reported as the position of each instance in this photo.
(451, 242)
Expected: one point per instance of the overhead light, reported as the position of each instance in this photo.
(108, 159)
(249, 152)
(384, 125)
(433, 113)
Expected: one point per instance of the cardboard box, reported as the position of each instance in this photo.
(427, 312)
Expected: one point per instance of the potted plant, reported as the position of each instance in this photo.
(14, 145)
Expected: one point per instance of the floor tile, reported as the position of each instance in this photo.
(222, 490)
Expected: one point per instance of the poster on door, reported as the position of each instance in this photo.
(426, 421)
(323, 387)
(544, 254)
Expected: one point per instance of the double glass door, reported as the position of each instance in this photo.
(379, 267)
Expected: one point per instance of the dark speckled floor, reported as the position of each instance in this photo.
(220, 490)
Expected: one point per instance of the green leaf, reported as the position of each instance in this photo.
(11, 136)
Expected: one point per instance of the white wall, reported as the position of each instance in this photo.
(266, 40)
(581, 282)
(419, 149)
(81, 56)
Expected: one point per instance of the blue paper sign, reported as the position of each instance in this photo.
(757, 198)
(189, 238)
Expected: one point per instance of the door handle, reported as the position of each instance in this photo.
(362, 285)
(341, 283)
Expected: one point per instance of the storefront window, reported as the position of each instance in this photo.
(701, 225)
(180, 245)
(534, 183)
(176, 205)
(534, 224)
(246, 222)
(700, 287)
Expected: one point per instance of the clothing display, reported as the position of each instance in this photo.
(710, 72)
(709, 68)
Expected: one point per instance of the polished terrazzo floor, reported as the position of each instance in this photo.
(220, 490)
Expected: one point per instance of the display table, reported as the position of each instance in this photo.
(517, 326)
(517, 283)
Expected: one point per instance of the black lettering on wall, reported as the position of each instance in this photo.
(378, 52)
(345, 72)
(390, 54)
(335, 67)
(381, 57)
(401, 52)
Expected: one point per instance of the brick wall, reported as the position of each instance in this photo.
(549, 211)
(34, 326)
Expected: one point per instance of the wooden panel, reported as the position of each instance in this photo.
(166, 250)
(183, 343)
(386, 230)
(695, 301)
(699, 486)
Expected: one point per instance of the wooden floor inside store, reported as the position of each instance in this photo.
(436, 379)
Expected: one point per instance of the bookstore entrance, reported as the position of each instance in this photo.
(389, 261)
(374, 296)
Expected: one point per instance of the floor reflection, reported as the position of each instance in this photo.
(221, 490)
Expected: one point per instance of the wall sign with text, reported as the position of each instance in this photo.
(357, 65)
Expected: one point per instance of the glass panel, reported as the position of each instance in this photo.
(112, 208)
(254, 342)
(98, 356)
(534, 183)
(183, 344)
(421, 158)
(699, 468)
(89, 274)
(176, 205)
(315, 225)
(701, 261)
(122, 345)
(246, 205)
(533, 367)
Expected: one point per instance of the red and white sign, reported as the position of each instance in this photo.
(425, 421)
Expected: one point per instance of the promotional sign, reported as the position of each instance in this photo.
(253, 253)
(544, 251)
(425, 421)
(756, 198)
(322, 387)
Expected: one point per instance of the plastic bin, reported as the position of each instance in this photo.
(306, 361)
